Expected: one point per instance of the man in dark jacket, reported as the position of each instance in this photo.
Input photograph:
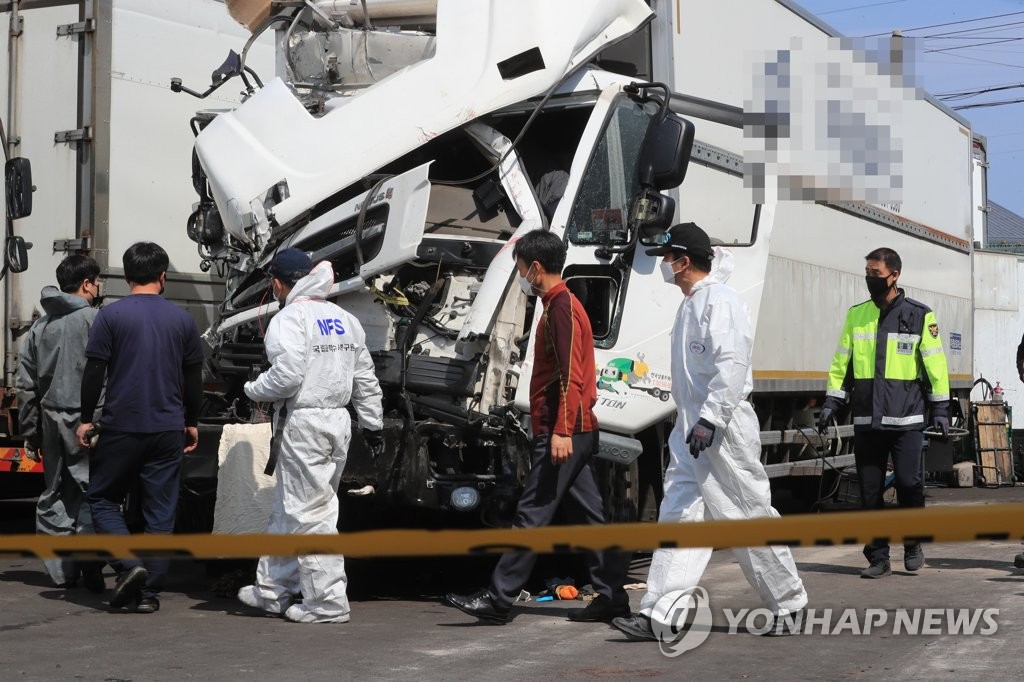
(48, 388)
(890, 366)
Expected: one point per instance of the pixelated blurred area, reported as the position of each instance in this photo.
(824, 121)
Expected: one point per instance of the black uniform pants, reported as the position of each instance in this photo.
(574, 485)
(872, 451)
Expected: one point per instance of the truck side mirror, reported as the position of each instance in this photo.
(18, 186)
(665, 154)
(17, 254)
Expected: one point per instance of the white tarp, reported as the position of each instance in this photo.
(244, 494)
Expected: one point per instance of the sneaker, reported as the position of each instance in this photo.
(250, 595)
(637, 627)
(298, 613)
(879, 569)
(148, 605)
(128, 586)
(784, 626)
(1018, 561)
(913, 557)
(600, 610)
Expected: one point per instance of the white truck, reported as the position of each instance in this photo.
(410, 143)
(85, 101)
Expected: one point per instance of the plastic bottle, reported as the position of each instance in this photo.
(997, 393)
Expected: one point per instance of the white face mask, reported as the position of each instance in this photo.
(526, 285)
(668, 271)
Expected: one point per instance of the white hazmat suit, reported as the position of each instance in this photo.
(319, 362)
(711, 379)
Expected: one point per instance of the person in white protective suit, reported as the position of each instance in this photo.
(715, 470)
(319, 362)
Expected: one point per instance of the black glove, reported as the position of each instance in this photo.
(940, 422)
(828, 411)
(700, 437)
(375, 441)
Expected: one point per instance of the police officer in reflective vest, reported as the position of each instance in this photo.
(890, 366)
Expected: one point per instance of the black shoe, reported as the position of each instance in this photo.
(879, 569)
(913, 557)
(480, 605)
(92, 579)
(637, 627)
(784, 626)
(148, 605)
(1018, 561)
(599, 610)
(126, 589)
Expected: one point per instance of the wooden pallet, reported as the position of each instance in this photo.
(992, 446)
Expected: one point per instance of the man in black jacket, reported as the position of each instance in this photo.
(149, 351)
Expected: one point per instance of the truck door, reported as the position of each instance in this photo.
(631, 307)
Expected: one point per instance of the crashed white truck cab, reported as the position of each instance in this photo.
(410, 147)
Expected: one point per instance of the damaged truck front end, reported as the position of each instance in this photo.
(412, 160)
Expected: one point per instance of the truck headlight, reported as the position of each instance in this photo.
(465, 498)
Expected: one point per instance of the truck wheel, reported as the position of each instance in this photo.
(665, 395)
(656, 393)
(620, 485)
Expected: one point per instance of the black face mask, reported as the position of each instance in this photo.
(878, 287)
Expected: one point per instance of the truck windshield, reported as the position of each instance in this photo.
(610, 181)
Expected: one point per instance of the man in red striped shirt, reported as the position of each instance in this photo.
(565, 437)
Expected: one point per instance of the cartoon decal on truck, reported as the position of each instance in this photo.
(620, 375)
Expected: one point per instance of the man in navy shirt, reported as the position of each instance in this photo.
(149, 351)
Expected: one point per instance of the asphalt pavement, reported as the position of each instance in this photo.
(400, 629)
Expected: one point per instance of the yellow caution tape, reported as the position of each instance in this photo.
(935, 524)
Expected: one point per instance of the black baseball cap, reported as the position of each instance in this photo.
(686, 237)
(290, 264)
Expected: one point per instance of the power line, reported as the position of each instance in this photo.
(984, 105)
(945, 34)
(977, 59)
(981, 91)
(967, 47)
(950, 23)
(850, 9)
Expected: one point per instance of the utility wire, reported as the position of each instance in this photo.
(982, 91)
(850, 9)
(967, 47)
(949, 23)
(983, 105)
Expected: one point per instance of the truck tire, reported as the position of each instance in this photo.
(620, 486)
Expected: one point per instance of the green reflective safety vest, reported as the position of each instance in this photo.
(890, 364)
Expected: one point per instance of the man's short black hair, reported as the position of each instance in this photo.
(74, 270)
(888, 256)
(701, 263)
(144, 262)
(543, 247)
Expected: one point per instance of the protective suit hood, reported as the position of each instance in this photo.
(317, 284)
(722, 266)
(56, 302)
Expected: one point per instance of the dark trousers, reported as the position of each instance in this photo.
(572, 485)
(121, 460)
(872, 450)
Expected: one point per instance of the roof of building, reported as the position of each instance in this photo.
(1003, 226)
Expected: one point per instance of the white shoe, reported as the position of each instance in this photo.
(298, 613)
(250, 595)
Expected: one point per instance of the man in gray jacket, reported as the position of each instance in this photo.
(48, 388)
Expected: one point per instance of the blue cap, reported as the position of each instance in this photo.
(290, 265)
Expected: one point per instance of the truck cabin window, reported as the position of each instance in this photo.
(610, 181)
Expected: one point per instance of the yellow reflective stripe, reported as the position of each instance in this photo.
(864, 336)
(938, 397)
(928, 352)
